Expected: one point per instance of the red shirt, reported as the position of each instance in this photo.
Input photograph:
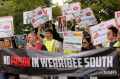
(38, 47)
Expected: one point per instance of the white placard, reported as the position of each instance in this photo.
(69, 17)
(117, 16)
(6, 26)
(86, 17)
(72, 41)
(48, 11)
(37, 17)
(70, 10)
(25, 18)
(99, 32)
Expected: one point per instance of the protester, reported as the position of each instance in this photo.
(51, 41)
(87, 36)
(87, 45)
(34, 44)
(7, 43)
(57, 37)
(1, 46)
(51, 44)
(112, 37)
(33, 41)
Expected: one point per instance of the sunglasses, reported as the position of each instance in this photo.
(84, 42)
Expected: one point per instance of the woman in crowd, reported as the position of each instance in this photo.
(7, 43)
(87, 45)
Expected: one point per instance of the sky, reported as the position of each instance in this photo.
(60, 2)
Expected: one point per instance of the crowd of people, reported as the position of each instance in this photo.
(51, 41)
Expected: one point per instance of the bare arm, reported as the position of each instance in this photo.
(38, 34)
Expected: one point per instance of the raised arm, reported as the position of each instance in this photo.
(38, 34)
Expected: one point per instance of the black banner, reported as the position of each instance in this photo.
(102, 61)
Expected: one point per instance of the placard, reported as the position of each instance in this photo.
(25, 18)
(99, 32)
(117, 17)
(72, 41)
(62, 24)
(20, 40)
(86, 17)
(69, 10)
(6, 26)
(37, 17)
(48, 12)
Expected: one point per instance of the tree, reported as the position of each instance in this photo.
(16, 8)
(56, 11)
(48, 3)
(103, 9)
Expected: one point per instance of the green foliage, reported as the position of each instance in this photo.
(56, 11)
(103, 9)
(16, 8)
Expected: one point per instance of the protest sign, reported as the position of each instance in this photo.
(72, 41)
(69, 17)
(117, 17)
(62, 24)
(20, 40)
(69, 10)
(99, 32)
(37, 17)
(25, 18)
(98, 62)
(6, 26)
(86, 17)
(48, 12)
